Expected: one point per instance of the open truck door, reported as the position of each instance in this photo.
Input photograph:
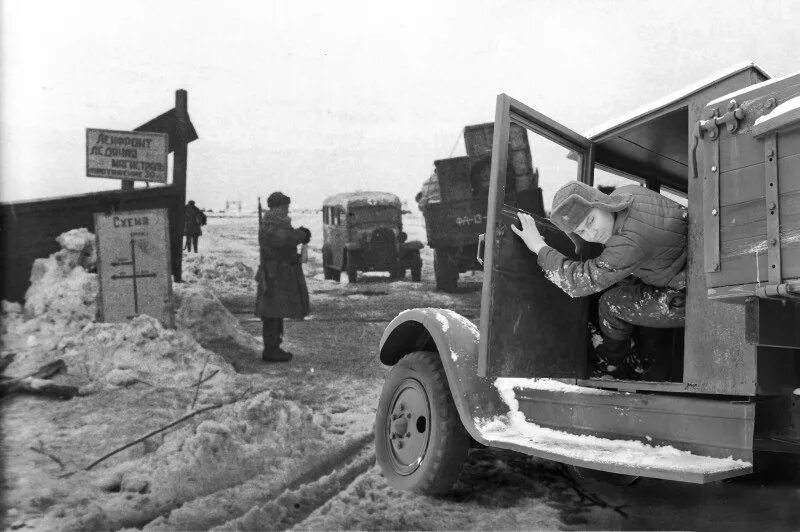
(528, 326)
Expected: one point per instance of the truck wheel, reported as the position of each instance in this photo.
(398, 273)
(445, 269)
(420, 443)
(326, 270)
(416, 268)
(352, 266)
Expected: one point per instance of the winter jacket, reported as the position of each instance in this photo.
(193, 218)
(648, 241)
(282, 291)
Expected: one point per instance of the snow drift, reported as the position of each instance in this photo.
(58, 320)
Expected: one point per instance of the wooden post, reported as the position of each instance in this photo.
(179, 181)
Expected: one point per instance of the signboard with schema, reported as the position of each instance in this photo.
(130, 155)
(134, 265)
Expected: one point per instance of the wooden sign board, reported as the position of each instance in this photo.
(133, 258)
(127, 155)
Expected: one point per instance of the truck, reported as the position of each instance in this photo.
(454, 199)
(363, 231)
(729, 147)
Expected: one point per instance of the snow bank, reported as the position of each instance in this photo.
(198, 311)
(58, 321)
(264, 434)
(514, 429)
(63, 291)
(141, 350)
(222, 275)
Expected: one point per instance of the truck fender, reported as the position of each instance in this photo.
(456, 340)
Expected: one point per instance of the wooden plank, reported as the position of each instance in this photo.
(782, 121)
(746, 221)
(746, 183)
(752, 267)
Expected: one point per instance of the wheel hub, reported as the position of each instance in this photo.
(407, 426)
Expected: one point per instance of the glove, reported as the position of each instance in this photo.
(306, 235)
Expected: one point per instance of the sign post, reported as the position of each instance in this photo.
(128, 155)
(134, 265)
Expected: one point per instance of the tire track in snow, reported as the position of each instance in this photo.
(229, 504)
(298, 502)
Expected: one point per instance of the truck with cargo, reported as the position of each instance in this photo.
(454, 199)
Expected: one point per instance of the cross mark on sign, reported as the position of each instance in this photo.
(134, 275)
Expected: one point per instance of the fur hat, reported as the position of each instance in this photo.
(276, 199)
(573, 202)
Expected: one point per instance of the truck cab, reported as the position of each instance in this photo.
(727, 148)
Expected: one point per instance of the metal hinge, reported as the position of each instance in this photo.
(730, 120)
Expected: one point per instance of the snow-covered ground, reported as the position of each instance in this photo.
(282, 445)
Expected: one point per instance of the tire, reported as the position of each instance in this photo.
(326, 270)
(398, 273)
(416, 269)
(352, 266)
(445, 269)
(429, 457)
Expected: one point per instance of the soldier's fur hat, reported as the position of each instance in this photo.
(276, 199)
(573, 202)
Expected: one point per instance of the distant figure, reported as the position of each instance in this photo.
(193, 219)
(282, 291)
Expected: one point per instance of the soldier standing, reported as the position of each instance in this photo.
(282, 291)
(193, 219)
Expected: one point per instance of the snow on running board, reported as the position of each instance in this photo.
(631, 456)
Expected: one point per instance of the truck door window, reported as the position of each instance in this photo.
(554, 165)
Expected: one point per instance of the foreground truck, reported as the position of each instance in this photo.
(729, 147)
(454, 199)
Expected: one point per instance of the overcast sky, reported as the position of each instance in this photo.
(319, 97)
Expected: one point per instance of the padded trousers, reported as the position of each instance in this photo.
(623, 307)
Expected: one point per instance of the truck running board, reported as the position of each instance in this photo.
(659, 436)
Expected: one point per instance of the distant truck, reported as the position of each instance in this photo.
(363, 231)
(454, 199)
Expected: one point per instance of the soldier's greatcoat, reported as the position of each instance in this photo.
(282, 291)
